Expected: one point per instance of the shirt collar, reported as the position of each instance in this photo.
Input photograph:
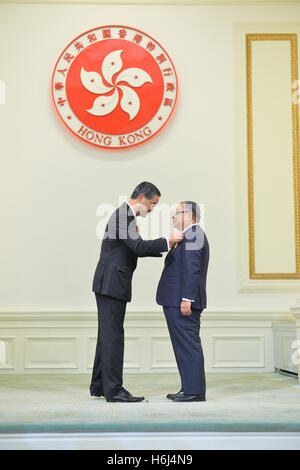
(186, 228)
(132, 209)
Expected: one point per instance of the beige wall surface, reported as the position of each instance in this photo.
(51, 183)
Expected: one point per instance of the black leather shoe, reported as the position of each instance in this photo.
(123, 396)
(188, 398)
(173, 395)
(97, 394)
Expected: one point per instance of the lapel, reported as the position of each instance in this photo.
(171, 253)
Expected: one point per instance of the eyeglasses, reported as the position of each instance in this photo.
(180, 212)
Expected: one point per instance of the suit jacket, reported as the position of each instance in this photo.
(185, 271)
(120, 248)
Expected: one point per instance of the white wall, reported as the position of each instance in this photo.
(51, 183)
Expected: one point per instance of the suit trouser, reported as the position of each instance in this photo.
(107, 377)
(185, 337)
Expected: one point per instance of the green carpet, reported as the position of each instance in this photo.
(235, 403)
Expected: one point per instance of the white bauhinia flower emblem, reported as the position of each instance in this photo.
(104, 105)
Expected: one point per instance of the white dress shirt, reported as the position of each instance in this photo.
(133, 211)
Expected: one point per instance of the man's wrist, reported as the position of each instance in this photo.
(187, 300)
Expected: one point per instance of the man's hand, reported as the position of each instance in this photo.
(185, 308)
(175, 237)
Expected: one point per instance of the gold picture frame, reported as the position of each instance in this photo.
(292, 37)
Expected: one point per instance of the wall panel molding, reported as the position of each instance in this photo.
(264, 74)
(51, 352)
(238, 351)
(267, 157)
(65, 342)
(153, 2)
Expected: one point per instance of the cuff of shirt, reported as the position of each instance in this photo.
(188, 300)
(167, 240)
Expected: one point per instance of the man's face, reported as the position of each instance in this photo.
(182, 217)
(147, 205)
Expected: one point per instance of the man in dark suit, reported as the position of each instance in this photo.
(182, 293)
(121, 246)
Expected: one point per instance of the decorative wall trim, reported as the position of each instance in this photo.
(245, 282)
(51, 352)
(144, 315)
(65, 342)
(155, 2)
(239, 350)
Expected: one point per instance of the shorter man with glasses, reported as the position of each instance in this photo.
(182, 293)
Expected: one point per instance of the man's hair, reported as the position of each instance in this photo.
(194, 208)
(146, 188)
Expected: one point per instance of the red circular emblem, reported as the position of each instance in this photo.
(114, 87)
